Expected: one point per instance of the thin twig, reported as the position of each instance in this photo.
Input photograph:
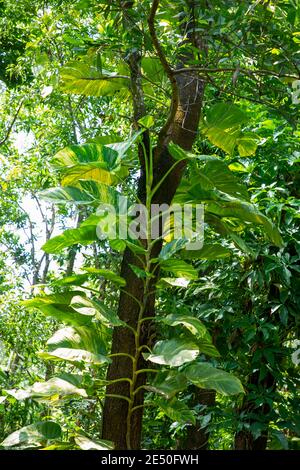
(11, 125)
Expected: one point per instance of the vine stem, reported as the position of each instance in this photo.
(146, 285)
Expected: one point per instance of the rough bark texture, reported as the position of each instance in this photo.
(182, 131)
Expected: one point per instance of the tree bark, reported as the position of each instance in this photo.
(181, 128)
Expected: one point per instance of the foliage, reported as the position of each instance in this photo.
(72, 138)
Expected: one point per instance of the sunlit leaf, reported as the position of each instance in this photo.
(88, 444)
(32, 436)
(46, 390)
(82, 236)
(173, 352)
(74, 356)
(193, 324)
(83, 78)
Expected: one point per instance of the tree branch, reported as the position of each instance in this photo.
(11, 125)
(170, 74)
(232, 70)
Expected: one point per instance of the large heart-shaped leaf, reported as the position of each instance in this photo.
(46, 390)
(193, 324)
(81, 236)
(32, 436)
(98, 309)
(84, 78)
(80, 337)
(168, 383)
(206, 376)
(59, 307)
(224, 179)
(222, 125)
(74, 356)
(87, 192)
(88, 162)
(173, 352)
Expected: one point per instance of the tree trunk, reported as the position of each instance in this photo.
(181, 129)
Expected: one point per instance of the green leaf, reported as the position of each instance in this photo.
(105, 139)
(173, 282)
(153, 69)
(49, 429)
(224, 205)
(74, 280)
(107, 274)
(79, 279)
(246, 212)
(206, 347)
(83, 78)
(179, 268)
(139, 272)
(88, 171)
(146, 121)
(86, 153)
(88, 162)
(168, 383)
(74, 356)
(135, 246)
(95, 307)
(209, 251)
(206, 376)
(86, 193)
(47, 390)
(64, 299)
(247, 144)
(193, 324)
(117, 245)
(81, 236)
(223, 179)
(122, 147)
(33, 435)
(170, 248)
(88, 444)
(173, 352)
(65, 196)
(179, 153)
(225, 116)
(100, 193)
(80, 337)
(59, 307)
(222, 125)
(177, 411)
